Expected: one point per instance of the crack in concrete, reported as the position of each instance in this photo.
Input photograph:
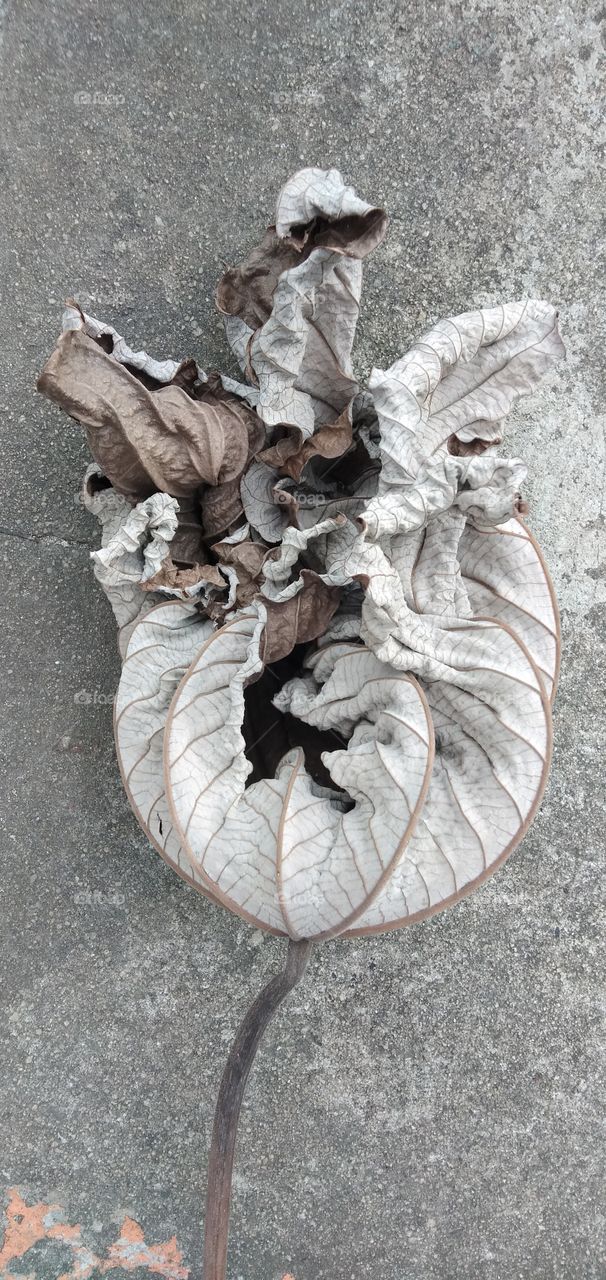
(49, 539)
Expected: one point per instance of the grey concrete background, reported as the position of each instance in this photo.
(431, 1106)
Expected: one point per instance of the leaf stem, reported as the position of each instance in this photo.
(229, 1103)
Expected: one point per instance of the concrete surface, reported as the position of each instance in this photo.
(431, 1106)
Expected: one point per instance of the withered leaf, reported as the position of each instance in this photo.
(161, 647)
(263, 507)
(222, 504)
(294, 338)
(213, 391)
(315, 210)
(247, 557)
(303, 617)
(453, 390)
(323, 861)
(146, 441)
(426, 786)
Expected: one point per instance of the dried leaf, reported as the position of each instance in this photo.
(493, 748)
(484, 488)
(380, 588)
(490, 713)
(263, 512)
(314, 210)
(247, 559)
(247, 290)
(221, 508)
(293, 319)
(222, 504)
(301, 357)
(140, 545)
(188, 546)
(144, 441)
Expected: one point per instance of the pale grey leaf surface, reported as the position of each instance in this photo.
(228, 831)
(141, 544)
(493, 747)
(134, 563)
(277, 568)
(301, 356)
(433, 568)
(505, 577)
(238, 335)
(161, 648)
(257, 490)
(128, 599)
(332, 863)
(485, 488)
(461, 379)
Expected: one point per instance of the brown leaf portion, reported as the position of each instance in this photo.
(187, 377)
(147, 441)
(247, 291)
(222, 508)
(171, 576)
(188, 546)
(247, 558)
(300, 619)
(213, 391)
(290, 454)
(221, 504)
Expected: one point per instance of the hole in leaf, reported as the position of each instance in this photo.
(270, 733)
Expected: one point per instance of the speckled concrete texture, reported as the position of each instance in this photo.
(430, 1106)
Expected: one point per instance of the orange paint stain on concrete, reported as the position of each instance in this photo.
(24, 1228)
(131, 1251)
(29, 1225)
